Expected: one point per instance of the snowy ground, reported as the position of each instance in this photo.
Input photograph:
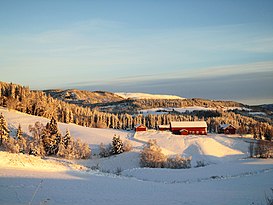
(229, 177)
(160, 111)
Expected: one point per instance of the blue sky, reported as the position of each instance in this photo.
(211, 49)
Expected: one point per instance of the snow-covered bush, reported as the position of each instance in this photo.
(178, 162)
(116, 147)
(11, 145)
(127, 146)
(74, 150)
(105, 151)
(264, 149)
(200, 163)
(152, 156)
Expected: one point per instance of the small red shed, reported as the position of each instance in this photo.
(227, 129)
(189, 127)
(139, 128)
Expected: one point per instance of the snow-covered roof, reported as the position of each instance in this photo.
(189, 124)
(224, 126)
(139, 125)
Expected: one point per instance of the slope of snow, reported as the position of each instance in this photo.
(229, 170)
(92, 136)
(209, 149)
(147, 96)
(28, 162)
(229, 177)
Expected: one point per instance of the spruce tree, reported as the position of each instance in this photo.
(21, 140)
(62, 149)
(4, 130)
(19, 133)
(117, 145)
(66, 138)
(51, 137)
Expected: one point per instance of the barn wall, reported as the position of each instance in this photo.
(230, 130)
(191, 130)
(163, 129)
(139, 129)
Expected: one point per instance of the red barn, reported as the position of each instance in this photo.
(227, 129)
(163, 127)
(189, 127)
(139, 128)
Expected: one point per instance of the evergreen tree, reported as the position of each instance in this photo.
(51, 137)
(19, 133)
(4, 130)
(52, 126)
(66, 138)
(117, 145)
(22, 144)
(62, 151)
(21, 140)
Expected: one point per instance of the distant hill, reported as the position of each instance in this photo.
(148, 96)
(135, 105)
(267, 107)
(132, 102)
(82, 97)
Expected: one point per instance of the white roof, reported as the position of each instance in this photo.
(139, 125)
(189, 124)
(224, 126)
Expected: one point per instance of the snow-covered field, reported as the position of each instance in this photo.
(160, 111)
(147, 96)
(229, 176)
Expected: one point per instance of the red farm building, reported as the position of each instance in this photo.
(139, 128)
(227, 129)
(163, 127)
(189, 127)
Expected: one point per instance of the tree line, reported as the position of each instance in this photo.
(38, 103)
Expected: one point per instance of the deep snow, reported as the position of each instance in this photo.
(230, 177)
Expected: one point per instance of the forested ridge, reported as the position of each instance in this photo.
(110, 102)
(83, 97)
(38, 103)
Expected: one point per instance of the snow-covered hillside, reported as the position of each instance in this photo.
(147, 96)
(229, 176)
(92, 136)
